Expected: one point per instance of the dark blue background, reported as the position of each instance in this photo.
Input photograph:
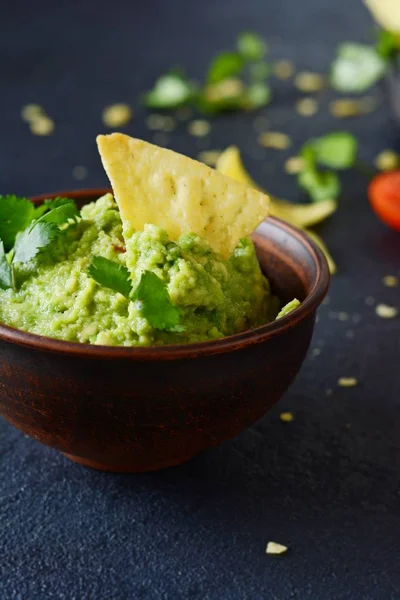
(327, 484)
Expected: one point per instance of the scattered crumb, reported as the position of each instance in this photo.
(223, 90)
(199, 128)
(160, 139)
(42, 126)
(347, 381)
(317, 319)
(79, 173)
(274, 139)
(390, 280)
(369, 301)
(309, 82)
(326, 300)
(283, 69)
(275, 548)
(386, 312)
(332, 314)
(343, 316)
(350, 334)
(286, 417)
(117, 115)
(357, 318)
(315, 351)
(260, 123)
(388, 160)
(209, 157)
(347, 425)
(160, 122)
(30, 112)
(350, 107)
(294, 165)
(306, 107)
(329, 392)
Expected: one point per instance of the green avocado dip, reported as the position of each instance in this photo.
(55, 296)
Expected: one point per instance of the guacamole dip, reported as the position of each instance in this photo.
(56, 297)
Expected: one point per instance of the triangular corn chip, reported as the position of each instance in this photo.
(180, 195)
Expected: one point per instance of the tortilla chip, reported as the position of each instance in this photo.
(180, 195)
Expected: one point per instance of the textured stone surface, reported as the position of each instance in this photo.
(326, 484)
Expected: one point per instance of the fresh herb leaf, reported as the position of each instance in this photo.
(251, 46)
(170, 91)
(320, 185)
(15, 215)
(33, 240)
(225, 66)
(110, 274)
(336, 150)
(387, 44)
(60, 214)
(356, 68)
(155, 303)
(6, 280)
(288, 308)
(258, 94)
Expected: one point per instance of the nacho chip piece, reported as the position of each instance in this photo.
(180, 195)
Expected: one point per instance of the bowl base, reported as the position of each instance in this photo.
(123, 467)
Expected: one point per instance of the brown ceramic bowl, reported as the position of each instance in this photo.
(140, 409)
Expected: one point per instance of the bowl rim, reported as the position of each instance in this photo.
(188, 350)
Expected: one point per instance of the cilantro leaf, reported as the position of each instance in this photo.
(60, 214)
(387, 44)
(33, 240)
(170, 91)
(6, 280)
(225, 66)
(356, 68)
(336, 150)
(155, 303)
(251, 46)
(321, 185)
(110, 274)
(15, 215)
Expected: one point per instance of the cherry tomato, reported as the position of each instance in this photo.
(384, 196)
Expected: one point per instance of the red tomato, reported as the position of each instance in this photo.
(384, 196)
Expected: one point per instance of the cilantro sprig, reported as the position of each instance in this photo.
(151, 294)
(234, 80)
(26, 230)
(334, 151)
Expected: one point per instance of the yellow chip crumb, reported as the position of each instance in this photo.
(160, 122)
(347, 381)
(223, 90)
(275, 548)
(315, 351)
(209, 157)
(306, 107)
(309, 82)
(79, 172)
(386, 312)
(283, 69)
(350, 107)
(390, 280)
(343, 316)
(199, 128)
(42, 126)
(274, 139)
(387, 160)
(294, 165)
(117, 115)
(286, 417)
(30, 112)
